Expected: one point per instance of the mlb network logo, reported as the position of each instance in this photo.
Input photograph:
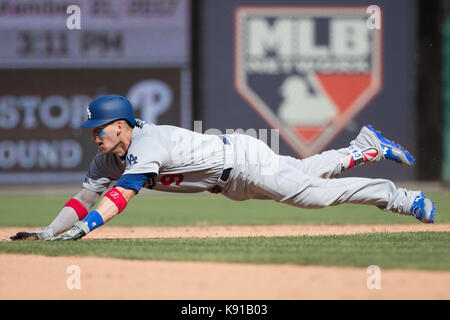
(307, 71)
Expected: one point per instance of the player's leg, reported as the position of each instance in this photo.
(294, 188)
(324, 165)
(259, 173)
(369, 146)
(378, 192)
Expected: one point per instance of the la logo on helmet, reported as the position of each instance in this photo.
(89, 113)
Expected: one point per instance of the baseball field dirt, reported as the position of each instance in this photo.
(104, 278)
(116, 232)
(23, 276)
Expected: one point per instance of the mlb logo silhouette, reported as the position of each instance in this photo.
(307, 71)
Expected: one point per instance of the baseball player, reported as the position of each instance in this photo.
(142, 155)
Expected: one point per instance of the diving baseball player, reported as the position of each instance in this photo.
(142, 155)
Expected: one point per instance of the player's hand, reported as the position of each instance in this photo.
(43, 234)
(79, 230)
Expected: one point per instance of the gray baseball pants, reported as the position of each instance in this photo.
(260, 173)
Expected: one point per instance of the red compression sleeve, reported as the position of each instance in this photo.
(78, 207)
(116, 196)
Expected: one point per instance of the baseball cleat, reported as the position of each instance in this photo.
(369, 137)
(423, 209)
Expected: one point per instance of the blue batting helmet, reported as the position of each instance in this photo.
(109, 108)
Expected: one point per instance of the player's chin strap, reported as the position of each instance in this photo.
(357, 157)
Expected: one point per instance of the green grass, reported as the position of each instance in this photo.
(168, 210)
(421, 250)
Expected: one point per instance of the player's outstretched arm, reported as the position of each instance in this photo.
(74, 210)
(114, 202)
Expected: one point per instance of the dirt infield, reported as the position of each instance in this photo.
(40, 277)
(108, 232)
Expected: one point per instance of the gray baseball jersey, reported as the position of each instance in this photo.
(181, 160)
(174, 159)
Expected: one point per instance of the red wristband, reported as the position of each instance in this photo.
(117, 198)
(78, 207)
